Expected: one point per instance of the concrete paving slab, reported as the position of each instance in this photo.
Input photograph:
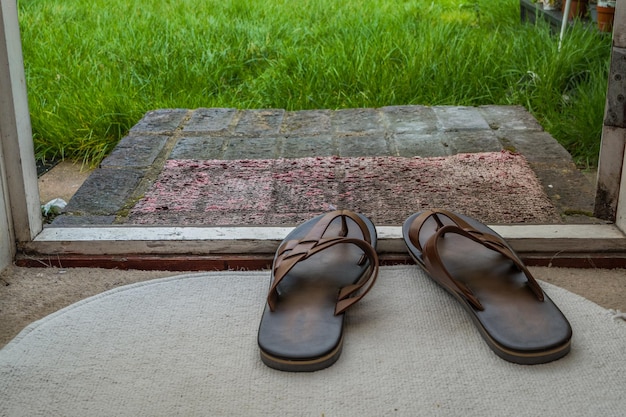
(410, 119)
(135, 151)
(307, 123)
(210, 120)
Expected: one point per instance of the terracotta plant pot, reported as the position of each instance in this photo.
(577, 9)
(605, 18)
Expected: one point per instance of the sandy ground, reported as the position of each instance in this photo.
(29, 294)
(62, 181)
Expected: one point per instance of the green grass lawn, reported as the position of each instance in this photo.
(94, 68)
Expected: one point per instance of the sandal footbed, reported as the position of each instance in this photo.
(514, 323)
(303, 333)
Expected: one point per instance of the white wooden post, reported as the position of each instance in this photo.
(611, 159)
(7, 240)
(615, 114)
(21, 205)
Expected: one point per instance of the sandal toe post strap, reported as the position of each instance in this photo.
(417, 224)
(461, 227)
(319, 229)
(293, 251)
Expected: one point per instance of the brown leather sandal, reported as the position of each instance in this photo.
(321, 269)
(473, 263)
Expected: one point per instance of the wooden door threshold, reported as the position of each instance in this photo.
(253, 248)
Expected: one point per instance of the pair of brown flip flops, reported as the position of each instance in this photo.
(327, 264)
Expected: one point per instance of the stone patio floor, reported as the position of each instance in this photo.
(112, 190)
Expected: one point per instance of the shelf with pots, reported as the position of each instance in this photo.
(590, 12)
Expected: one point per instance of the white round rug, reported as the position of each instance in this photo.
(186, 346)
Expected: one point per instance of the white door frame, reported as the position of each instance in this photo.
(20, 217)
(611, 172)
(20, 214)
